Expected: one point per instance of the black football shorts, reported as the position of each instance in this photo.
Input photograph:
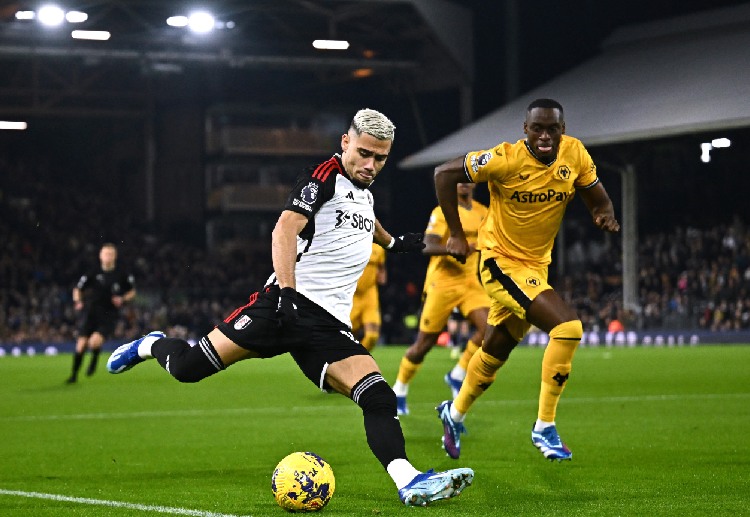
(315, 341)
(96, 319)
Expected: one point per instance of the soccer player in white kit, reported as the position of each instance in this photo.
(320, 246)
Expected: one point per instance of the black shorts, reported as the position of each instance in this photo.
(315, 341)
(99, 320)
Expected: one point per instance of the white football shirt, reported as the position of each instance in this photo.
(335, 246)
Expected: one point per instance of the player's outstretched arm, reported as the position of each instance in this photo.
(600, 206)
(406, 243)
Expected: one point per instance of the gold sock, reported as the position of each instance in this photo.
(369, 340)
(468, 353)
(479, 376)
(407, 370)
(556, 366)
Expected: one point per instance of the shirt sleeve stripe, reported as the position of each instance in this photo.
(466, 171)
(324, 169)
(586, 187)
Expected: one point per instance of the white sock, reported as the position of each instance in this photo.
(144, 348)
(401, 390)
(455, 415)
(402, 472)
(458, 373)
(541, 425)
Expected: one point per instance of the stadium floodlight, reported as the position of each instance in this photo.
(51, 15)
(721, 142)
(706, 152)
(177, 21)
(25, 15)
(17, 126)
(90, 35)
(330, 44)
(76, 16)
(201, 22)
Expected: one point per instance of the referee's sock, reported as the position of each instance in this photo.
(77, 360)
(93, 361)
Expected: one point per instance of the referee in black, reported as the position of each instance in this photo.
(98, 296)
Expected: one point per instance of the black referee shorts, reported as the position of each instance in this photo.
(97, 319)
(315, 341)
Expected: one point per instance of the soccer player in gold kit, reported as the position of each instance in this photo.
(366, 306)
(448, 284)
(531, 183)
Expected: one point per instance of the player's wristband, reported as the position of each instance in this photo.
(390, 244)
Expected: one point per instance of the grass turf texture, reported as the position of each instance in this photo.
(654, 431)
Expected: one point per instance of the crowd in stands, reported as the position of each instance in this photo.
(689, 278)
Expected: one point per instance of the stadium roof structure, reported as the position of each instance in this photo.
(260, 49)
(673, 77)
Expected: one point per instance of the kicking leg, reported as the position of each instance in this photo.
(185, 363)
(360, 378)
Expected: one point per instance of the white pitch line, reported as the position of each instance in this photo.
(117, 504)
(185, 413)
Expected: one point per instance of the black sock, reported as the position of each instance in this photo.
(184, 362)
(77, 360)
(378, 402)
(94, 361)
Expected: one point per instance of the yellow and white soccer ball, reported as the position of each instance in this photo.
(303, 482)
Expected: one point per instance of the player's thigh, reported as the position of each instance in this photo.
(475, 305)
(371, 314)
(342, 375)
(549, 310)
(229, 351)
(438, 303)
(254, 328)
(512, 286)
(327, 346)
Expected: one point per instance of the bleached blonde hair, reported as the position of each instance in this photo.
(373, 123)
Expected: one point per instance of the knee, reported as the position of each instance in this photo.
(499, 343)
(569, 331)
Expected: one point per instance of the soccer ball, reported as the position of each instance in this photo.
(303, 482)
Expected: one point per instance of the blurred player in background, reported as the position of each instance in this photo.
(98, 296)
(531, 183)
(448, 284)
(366, 306)
(320, 245)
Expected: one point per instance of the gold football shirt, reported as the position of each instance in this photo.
(527, 197)
(369, 278)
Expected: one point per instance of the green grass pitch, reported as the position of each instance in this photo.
(654, 431)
